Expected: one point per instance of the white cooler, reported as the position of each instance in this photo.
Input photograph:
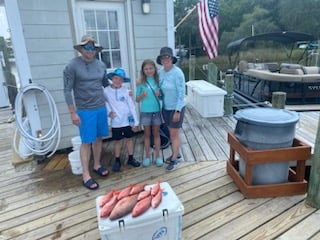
(206, 98)
(164, 222)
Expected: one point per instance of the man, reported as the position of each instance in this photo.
(84, 76)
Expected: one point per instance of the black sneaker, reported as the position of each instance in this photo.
(116, 166)
(133, 163)
(172, 165)
(167, 161)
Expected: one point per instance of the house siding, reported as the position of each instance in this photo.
(150, 31)
(49, 39)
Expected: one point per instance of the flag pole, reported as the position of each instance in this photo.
(184, 18)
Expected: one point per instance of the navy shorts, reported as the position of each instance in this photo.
(168, 115)
(122, 132)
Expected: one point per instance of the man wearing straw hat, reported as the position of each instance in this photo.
(84, 77)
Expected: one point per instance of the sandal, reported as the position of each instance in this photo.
(100, 171)
(88, 184)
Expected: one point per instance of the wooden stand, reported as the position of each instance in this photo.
(296, 184)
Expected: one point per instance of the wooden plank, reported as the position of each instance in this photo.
(202, 136)
(306, 226)
(281, 223)
(220, 218)
(196, 150)
(262, 212)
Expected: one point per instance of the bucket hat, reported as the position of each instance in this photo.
(84, 40)
(119, 72)
(166, 51)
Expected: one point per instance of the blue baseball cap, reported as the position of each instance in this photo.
(119, 72)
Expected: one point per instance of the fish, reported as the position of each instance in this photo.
(123, 207)
(125, 192)
(108, 207)
(141, 206)
(137, 188)
(106, 198)
(155, 188)
(156, 200)
(144, 194)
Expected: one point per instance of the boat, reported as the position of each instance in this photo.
(256, 81)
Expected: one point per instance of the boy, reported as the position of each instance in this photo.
(124, 121)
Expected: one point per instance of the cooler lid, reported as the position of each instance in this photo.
(267, 116)
(205, 88)
(170, 204)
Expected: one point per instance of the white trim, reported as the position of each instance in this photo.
(131, 57)
(170, 24)
(22, 62)
(18, 41)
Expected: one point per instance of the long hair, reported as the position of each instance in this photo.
(143, 75)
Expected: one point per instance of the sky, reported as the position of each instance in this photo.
(3, 23)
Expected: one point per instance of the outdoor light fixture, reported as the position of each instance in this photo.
(145, 4)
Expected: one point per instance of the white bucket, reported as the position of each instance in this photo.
(75, 162)
(76, 143)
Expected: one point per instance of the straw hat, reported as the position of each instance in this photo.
(84, 40)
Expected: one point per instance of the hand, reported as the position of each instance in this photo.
(112, 114)
(134, 128)
(144, 94)
(75, 119)
(157, 92)
(176, 117)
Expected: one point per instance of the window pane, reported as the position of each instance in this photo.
(101, 20)
(89, 19)
(105, 57)
(116, 58)
(113, 20)
(103, 39)
(114, 40)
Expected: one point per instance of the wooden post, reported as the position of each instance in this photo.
(228, 98)
(192, 67)
(313, 196)
(212, 73)
(279, 100)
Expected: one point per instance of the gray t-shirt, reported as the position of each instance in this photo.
(84, 79)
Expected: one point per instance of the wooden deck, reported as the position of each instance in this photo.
(38, 203)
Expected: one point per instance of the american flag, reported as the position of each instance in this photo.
(208, 11)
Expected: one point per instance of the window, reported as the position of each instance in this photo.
(105, 21)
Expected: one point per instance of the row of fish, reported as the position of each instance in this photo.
(134, 199)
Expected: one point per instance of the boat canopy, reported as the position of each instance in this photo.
(280, 37)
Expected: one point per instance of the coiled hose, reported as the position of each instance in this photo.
(45, 143)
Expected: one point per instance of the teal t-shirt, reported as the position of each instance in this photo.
(150, 103)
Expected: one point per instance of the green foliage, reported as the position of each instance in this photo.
(236, 19)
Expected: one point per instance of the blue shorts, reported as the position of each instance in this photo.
(94, 124)
(150, 119)
(122, 132)
(168, 115)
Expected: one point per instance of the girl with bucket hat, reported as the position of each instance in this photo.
(83, 79)
(172, 85)
(124, 121)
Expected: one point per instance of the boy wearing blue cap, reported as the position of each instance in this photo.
(124, 120)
